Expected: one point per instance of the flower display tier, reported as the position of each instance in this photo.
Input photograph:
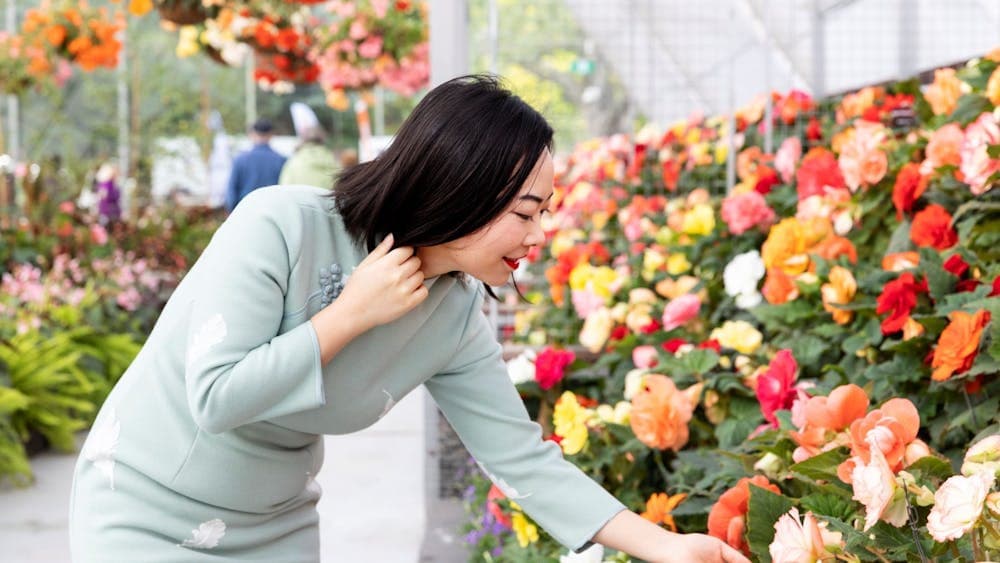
(805, 366)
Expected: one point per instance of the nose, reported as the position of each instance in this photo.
(536, 235)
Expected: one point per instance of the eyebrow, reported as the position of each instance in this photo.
(535, 198)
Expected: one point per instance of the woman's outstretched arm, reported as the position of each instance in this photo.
(633, 534)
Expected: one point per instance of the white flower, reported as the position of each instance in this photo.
(957, 506)
(803, 541)
(593, 554)
(102, 445)
(875, 487)
(633, 382)
(507, 490)
(741, 277)
(212, 332)
(207, 535)
(983, 456)
(522, 368)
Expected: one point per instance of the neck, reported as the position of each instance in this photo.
(433, 261)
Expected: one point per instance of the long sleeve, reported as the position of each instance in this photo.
(483, 406)
(238, 369)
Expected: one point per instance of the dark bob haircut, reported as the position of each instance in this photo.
(456, 163)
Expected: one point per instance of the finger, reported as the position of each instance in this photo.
(379, 251)
(411, 265)
(411, 283)
(418, 296)
(730, 555)
(400, 254)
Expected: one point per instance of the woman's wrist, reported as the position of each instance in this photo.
(336, 325)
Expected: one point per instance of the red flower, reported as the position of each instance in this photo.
(673, 345)
(671, 173)
(652, 327)
(996, 287)
(910, 185)
(813, 130)
(818, 172)
(711, 345)
(492, 497)
(550, 366)
(619, 332)
(956, 265)
(767, 178)
(898, 298)
(932, 227)
(776, 386)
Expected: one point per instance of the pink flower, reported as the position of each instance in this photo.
(680, 310)
(957, 506)
(977, 166)
(380, 7)
(862, 161)
(787, 157)
(358, 31)
(550, 366)
(742, 212)
(776, 386)
(371, 48)
(943, 148)
(644, 357)
(802, 542)
(586, 301)
(98, 235)
(129, 299)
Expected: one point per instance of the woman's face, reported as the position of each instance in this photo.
(492, 253)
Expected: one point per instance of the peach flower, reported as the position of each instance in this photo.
(660, 413)
(779, 287)
(943, 148)
(893, 427)
(899, 261)
(958, 344)
(839, 409)
(943, 94)
(727, 519)
(875, 486)
(862, 161)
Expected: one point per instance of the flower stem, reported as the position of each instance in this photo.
(977, 550)
(990, 528)
(972, 411)
(954, 551)
(658, 457)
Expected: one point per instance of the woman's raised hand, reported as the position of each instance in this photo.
(385, 285)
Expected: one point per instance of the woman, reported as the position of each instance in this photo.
(310, 315)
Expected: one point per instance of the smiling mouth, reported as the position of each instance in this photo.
(512, 264)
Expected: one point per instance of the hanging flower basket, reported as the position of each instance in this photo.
(182, 12)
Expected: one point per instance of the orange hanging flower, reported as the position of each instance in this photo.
(958, 344)
(943, 94)
(894, 426)
(659, 508)
(779, 287)
(785, 247)
(839, 291)
(727, 519)
(660, 413)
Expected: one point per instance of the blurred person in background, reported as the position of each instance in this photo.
(255, 168)
(312, 163)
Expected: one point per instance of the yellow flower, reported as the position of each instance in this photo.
(839, 291)
(700, 220)
(785, 247)
(140, 7)
(187, 42)
(738, 335)
(652, 260)
(677, 264)
(618, 414)
(599, 280)
(563, 241)
(570, 420)
(944, 92)
(721, 152)
(596, 329)
(993, 87)
(527, 533)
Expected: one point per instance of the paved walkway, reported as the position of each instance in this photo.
(379, 486)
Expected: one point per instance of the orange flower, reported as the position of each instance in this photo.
(833, 246)
(659, 506)
(892, 427)
(55, 35)
(943, 148)
(660, 413)
(140, 7)
(836, 412)
(932, 227)
(943, 94)
(899, 261)
(839, 291)
(779, 287)
(958, 344)
(785, 247)
(727, 519)
(993, 87)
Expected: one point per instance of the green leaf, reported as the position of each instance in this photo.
(733, 431)
(930, 466)
(764, 510)
(900, 241)
(822, 467)
(993, 151)
(830, 505)
(786, 314)
(699, 361)
(970, 106)
(808, 349)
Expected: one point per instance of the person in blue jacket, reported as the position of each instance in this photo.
(258, 167)
(313, 312)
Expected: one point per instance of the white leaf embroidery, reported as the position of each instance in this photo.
(207, 535)
(312, 487)
(102, 445)
(389, 403)
(212, 332)
(507, 490)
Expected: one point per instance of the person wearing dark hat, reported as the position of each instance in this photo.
(255, 168)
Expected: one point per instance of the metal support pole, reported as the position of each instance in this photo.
(449, 27)
(379, 124)
(13, 108)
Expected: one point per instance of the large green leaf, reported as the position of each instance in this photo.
(764, 510)
(822, 467)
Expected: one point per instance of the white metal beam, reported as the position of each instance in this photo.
(766, 38)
